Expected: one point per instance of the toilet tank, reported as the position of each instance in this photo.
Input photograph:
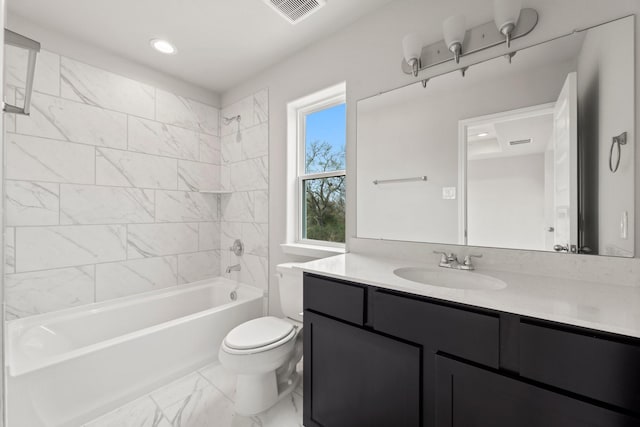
(290, 287)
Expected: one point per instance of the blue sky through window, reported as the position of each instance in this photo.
(328, 125)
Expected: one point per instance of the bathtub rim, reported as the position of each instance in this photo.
(15, 326)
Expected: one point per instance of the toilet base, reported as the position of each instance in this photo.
(257, 393)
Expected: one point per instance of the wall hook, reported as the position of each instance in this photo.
(424, 82)
(464, 71)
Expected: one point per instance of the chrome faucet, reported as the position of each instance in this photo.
(467, 264)
(231, 268)
(447, 260)
(450, 260)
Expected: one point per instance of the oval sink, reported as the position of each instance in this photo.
(454, 279)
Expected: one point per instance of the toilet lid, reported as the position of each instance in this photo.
(258, 333)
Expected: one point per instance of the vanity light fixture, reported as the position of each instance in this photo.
(163, 46)
(412, 47)
(510, 22)
(454, 29)
(506, 15)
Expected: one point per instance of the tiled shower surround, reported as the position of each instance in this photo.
(102, 185)
(245, 171)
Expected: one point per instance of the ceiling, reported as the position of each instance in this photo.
(220, 42)
(492, 139)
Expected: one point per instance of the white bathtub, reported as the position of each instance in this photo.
(68, 367)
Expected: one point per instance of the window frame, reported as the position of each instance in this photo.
(301, 175)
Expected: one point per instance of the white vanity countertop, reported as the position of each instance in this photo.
(592, 305)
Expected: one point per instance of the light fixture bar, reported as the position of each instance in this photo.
(476, 39)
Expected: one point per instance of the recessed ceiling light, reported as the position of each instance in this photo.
(163, 46)
(482, 134)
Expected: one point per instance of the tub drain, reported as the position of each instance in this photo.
(233, 295)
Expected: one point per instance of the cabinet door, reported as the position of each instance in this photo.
(468, 396)
(582, 362)
(354, 377)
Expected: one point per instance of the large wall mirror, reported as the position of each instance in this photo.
(537, 153)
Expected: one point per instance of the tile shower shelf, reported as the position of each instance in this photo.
(215, 191)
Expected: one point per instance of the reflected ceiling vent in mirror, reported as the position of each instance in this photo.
(295, 11)
(520, 141)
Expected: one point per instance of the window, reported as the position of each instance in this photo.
(320, 169)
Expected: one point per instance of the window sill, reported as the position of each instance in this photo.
(312, 251)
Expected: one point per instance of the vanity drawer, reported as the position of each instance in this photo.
(471, 335)
(342, 300)
(588, 364)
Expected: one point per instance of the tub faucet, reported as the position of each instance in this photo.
(233, 268)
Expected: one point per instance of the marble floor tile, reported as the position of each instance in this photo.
(287, 413)
(142, 412)
(178, 390)
(221, 379)
(206, 407)
(201, 399)
(299, 389)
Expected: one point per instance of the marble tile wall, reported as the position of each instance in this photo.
(245, 172)
(102, 186)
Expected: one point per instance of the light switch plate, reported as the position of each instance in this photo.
(449, 193)
(624, 225)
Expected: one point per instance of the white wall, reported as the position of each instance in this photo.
(505, 202)
(401, 141)
(606, 110)
(549, 195)
(368, 54)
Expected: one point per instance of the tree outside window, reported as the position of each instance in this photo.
(323, 178)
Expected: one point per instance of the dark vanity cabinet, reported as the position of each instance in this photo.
(375, 357)
(357, 377)
(470, 396)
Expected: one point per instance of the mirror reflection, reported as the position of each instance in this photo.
(536, 153)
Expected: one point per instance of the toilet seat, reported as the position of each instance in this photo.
(258, 335)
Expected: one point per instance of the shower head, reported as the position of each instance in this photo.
(228, 120)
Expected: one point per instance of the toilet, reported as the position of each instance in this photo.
(264, 352)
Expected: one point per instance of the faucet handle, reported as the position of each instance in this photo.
(237, 248)
(467, 264)
(444, 257)
(447, 259)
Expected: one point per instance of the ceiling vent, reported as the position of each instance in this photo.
(520, 141)
(295, 11)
